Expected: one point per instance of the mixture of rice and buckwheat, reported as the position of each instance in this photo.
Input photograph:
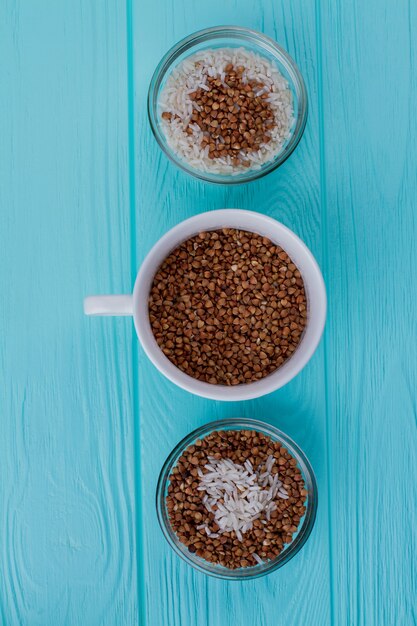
(227, 110)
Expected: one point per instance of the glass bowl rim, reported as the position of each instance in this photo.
(293, 548)
(280, 54)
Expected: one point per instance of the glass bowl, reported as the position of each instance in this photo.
(306, 523)
(230, 37)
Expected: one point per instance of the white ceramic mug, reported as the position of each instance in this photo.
(136, 305)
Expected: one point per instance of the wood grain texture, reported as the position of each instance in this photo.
(87, 421)
(67, 522)
(164, 197)
(369, 188)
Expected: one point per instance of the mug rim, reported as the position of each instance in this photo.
(269, 227)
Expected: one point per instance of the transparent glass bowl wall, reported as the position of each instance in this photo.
(306, 524)
(230, 37)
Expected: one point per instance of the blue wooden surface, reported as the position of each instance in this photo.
(87, 421)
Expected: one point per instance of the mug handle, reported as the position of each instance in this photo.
(108, 305)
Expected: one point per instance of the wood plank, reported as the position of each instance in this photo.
(369, 90)
(68, 515)
(299, 593)
(75, 219)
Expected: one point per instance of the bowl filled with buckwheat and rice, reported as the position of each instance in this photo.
(227, 105)
(236, 498)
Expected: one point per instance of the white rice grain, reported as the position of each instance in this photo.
(257, 558)
(238, 495)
